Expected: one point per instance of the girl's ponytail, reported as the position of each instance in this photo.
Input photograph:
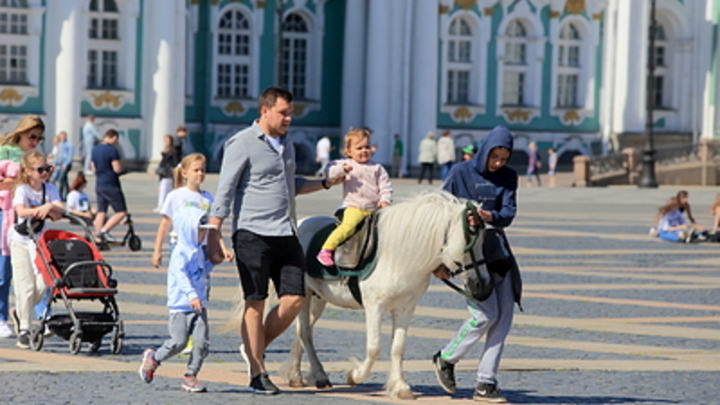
(177, 177)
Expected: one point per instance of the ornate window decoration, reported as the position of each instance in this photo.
(569, 67)
(20, 28)
(464, 48)
(234, 56)
(103, 68)
(295, 55)
(516, 66)
(573, 69)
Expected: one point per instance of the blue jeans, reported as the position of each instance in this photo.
(672, 236)
(445, 170)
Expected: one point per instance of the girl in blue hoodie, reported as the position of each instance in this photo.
(187, 299)
(486, 180)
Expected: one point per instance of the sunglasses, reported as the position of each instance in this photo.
(43, 169)
(36, 138)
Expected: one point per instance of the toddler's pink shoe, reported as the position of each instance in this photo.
(325, 257)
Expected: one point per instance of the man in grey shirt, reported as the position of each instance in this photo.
(258, 176)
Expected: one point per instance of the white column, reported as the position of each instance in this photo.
(69, 64)
(353, 81)
(424, 79)
(377, 85)
(165, 95)
(629, 101)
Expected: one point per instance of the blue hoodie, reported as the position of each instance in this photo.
(188, 271)
(494, 190)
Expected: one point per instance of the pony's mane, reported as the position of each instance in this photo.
(415, 230)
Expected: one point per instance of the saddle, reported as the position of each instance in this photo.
(359, 249)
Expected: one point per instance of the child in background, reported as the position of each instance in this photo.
(33, 197)
(187, 299)
(170, 159)
(552, 164)
(78, 202)
(366, 187)
(468, 152)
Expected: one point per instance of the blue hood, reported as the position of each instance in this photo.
(498, 137)
(187, 271)
(494, 190)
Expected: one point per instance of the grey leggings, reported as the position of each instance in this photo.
(492, 316)
(181, 326)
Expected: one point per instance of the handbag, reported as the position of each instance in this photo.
(163, 171)
(37, 224)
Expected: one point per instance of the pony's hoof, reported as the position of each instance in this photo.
(323, 384)
(350, 380)
(296, 383)
(405, 394)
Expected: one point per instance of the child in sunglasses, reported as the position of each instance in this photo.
(33, 197)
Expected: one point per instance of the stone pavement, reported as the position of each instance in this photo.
(611, 317)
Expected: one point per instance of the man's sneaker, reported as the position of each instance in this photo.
(5, 331)
(105, 236)
(261, 384)
(445, 374)
(191, 384)
(325, 257)
(148, 366)
(488, 393)
(23, 340)
(16, 321)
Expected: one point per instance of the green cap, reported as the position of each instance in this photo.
(470, 149)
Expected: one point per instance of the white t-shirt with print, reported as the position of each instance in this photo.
(77, 201)
(183, 198)
(25, 195)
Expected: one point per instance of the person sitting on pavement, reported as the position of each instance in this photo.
(671, 225)
(78, 202)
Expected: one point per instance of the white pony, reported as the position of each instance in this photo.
(415, 237)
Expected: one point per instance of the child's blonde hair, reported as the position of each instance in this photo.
(355, 135)
(27, 162)
(178, 180)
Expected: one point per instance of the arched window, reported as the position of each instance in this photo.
(104, 45)
(295, 49)
(234, 55)
(569, 68)
(516, 68)
(459, 62)
(14, 40)
(661, 68)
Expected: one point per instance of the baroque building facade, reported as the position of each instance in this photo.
(568, 74)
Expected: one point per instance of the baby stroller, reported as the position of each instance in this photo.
(75, 271)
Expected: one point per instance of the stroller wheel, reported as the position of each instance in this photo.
(135, 243)
(37, 338)
(116, 344)
(95, 346)
(75, 343)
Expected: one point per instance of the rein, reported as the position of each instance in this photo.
(471, 233)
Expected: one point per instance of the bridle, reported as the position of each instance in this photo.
(471, 233)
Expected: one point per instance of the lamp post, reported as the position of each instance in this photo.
(647, 180)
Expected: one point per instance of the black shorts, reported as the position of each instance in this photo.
(261, 258)
(112, 196)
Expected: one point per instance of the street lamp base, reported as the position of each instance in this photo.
(647, 179)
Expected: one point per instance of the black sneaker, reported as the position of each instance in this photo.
(106, 237)
(488, 393)
(445, 374)
(23, 341)
(261, 384)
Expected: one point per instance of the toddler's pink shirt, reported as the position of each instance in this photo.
(365, 186)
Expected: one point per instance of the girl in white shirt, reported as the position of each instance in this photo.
(33, 197)
(78, 202)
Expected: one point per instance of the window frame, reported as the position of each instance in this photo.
(103, 46)
(293, 38)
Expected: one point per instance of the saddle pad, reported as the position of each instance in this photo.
(317, 270)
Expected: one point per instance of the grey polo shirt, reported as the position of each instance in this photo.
(259, 182)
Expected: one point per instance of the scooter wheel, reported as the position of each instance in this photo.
(135, 243)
